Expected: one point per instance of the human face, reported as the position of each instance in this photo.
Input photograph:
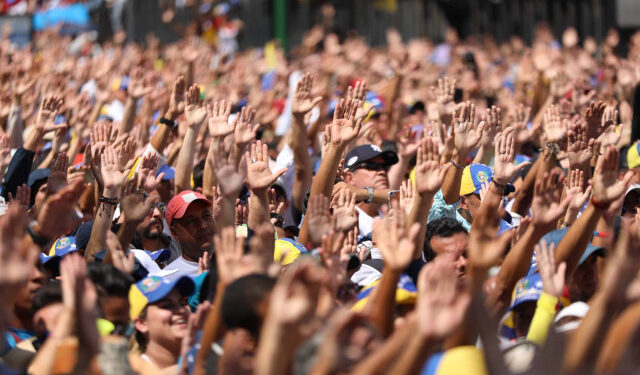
(456, 245)
(522, 316)
(151, 226)
(194, 230)
(165, 321)
(584, 282)
(115, 309)
(470, 203)
(36, 281)
(40, 195)
(374, 175)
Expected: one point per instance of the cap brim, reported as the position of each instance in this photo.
(591, 249)
(529, 297)
(160, 255)
(181, 211)
(184, 285)
(390, 157)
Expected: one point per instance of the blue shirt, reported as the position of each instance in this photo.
(440, 209)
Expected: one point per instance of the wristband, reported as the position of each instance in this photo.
(599, 205)
(279, 219)
(370, 198)
(457, 165)
(601, 234)
(170, 123)
(554, 148)
(38, 240)
(105, 200)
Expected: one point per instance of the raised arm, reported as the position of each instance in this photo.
(176, 108)
(195, 114)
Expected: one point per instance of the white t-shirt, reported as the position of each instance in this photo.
(180, 267)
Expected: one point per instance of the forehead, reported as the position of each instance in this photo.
(455, 243)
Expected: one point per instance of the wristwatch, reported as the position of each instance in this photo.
(370, 198)
(38, 240)
(169, 123)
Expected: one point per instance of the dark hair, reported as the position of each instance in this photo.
(109, 281)
(239, 304)
(198, 174)
(443, 227)
(47, 295)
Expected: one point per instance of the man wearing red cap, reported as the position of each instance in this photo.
(190, 219)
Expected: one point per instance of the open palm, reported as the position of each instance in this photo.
(259, 176)
(429, 172)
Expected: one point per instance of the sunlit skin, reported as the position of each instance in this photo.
(378, 180)
(163, 326)
(194, 230)
(456, 245)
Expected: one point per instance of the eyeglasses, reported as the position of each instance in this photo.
(371, 166)
(161, 206)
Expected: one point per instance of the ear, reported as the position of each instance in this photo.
(141, 325)
(348, 177)
(464, 204)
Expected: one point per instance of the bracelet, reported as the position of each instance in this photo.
(38, 240)
(599, 205)
(601, 234)
(105, 200)
(554, 148)
(457, 165)
(501, 188)
(370, 198)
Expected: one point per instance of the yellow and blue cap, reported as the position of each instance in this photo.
(406, 293)
(473, 176)
(633, 155)
(63, 246)
(152, 289)
(287, 251)
(459, 360)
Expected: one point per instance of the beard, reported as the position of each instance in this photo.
(151, 231)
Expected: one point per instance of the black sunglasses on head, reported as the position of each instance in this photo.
(371, 165)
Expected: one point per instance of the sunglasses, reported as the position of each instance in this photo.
(371, 166)
(161, 206)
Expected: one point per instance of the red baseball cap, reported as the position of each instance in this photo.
(178, 204)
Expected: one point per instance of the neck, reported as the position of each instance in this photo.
(162, 356)
(22, 319)
(151, 244)
(370, 209)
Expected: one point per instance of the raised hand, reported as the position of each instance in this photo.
(610, 135)
(442, 300)
(546, 206)
(593, 117)
(137, 87)
(204, 263)
(55, 216)
(606, 187)
(359, 92)
(574, 188)
(5, 152)
(147, 172)
(245, 131)
(58, 175)
(121, 261)
(407, 196)
(16, 261)
(520, 121)
(344, 212)
(318, 218)
(552, 276)
(504, 166)
(302, 101)
(176, 100)
(466, 132)
(46, 115)
(100, 138)
(259, 176)
(554, 127)
(330, 254)
(274, 205)
(230, 259)
(579, 147)
(395, 240)
(344, 127)
(112, 176)
(22, 198)
(219, 119)
(493, 125)
(194, 112)
(134, 206)
(228, 178)
(429, 172)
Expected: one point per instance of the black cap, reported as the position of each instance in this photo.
(367, 152)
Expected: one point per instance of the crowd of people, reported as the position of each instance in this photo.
(468, 207)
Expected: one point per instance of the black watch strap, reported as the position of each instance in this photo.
(38, 240)
(170, 123)
(279, 219)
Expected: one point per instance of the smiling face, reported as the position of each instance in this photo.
(165, 322)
